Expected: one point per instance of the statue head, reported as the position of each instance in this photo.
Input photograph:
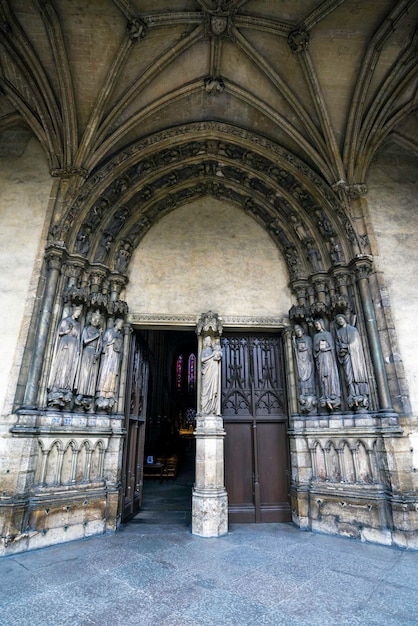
(340, 319)
(298, 330)
(77, 311)
(118, 323)
(319, 324)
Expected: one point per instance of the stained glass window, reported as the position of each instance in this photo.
(179, 372)
(191, 373)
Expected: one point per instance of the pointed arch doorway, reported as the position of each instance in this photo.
(206, 255)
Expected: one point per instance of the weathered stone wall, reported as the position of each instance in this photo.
(392, 200)
(26, 186)
(208, 255)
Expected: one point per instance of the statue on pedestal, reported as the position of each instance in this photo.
(350, 355)
(108, 379)
(65, 360)
(302, 345)
(324, 353)
(89, 362)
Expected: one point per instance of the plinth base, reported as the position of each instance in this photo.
(209, 513)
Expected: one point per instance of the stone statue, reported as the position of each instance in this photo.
(65, 360)
(104, 247)
(302, 345)
(82, 244)
(89, 362)
(210, 358)
(107, 382)
(324, 353)
(350, 355)
(123, 257)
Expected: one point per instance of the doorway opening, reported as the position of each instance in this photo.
(168, 444)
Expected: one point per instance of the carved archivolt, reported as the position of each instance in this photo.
(120, 202)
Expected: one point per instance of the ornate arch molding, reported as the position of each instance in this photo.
(143, 183)
(152, 177)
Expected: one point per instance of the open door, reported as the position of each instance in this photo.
(135, 418)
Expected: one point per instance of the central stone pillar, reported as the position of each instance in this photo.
(210, 500)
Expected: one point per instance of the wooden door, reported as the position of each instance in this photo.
(255, 421)
(135, 417)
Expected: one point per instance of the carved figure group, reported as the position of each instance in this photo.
(85, 365)
(326, 353)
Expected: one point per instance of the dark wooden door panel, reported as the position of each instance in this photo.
(273, 474)
(238, 471)
(253, 407)
(135, 411)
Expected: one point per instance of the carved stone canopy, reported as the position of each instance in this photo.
(209, 321)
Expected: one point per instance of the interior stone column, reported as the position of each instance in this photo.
(209, 500)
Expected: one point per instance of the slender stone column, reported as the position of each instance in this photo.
(363, 268)
(291, 378)
(209, 500)
(127, 330)
(54, 259)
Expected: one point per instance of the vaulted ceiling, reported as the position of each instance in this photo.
(329, 82)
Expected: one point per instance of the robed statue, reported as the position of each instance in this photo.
(110, 362)
(65, 360)
(302, 346)
(89, 362)
(326, 364)
(210, 358)
(350, 355)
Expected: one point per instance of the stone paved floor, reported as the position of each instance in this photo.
(155, 572)
(160, 574)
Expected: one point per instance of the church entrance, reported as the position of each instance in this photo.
(159, 455)
(255, 421)
(160, 446)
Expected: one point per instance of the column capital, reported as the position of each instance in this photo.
(55, 256)
(363, 266)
